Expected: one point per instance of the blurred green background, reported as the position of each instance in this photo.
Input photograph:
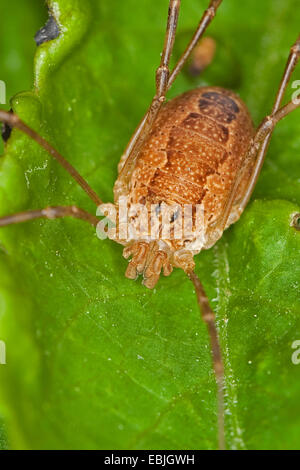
(20, 20)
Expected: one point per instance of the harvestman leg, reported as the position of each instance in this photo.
(50, 213)
(208, 317)
(261, 140)
(14, 121)
(162, 78)
(164, 81)
(257, 150)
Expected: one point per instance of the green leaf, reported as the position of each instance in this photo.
(95, 360)
(17, 46)
(17, 49)
(3, 437)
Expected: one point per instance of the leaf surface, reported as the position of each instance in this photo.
(17, 49)
(95, 360)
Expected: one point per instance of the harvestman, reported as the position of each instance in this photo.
(199, 147)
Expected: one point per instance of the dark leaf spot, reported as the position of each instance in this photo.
(48, 32)
(6, 131)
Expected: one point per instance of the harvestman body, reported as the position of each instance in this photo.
(199, 148)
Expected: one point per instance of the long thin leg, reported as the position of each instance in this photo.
(267, 127)
(261, 140)
(290, 66)
(164, 81)
(162, 78)
(208, 317)
(14, 121)
(258, 148)
(206, 19)
(49, 213)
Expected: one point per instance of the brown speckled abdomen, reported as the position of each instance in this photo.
(194, 151)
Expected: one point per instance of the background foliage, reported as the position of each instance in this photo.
(95, 360)
(17, 49)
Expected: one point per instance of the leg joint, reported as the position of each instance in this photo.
(296, 47)
(208, 317)
(162, 78)
(211, 12)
